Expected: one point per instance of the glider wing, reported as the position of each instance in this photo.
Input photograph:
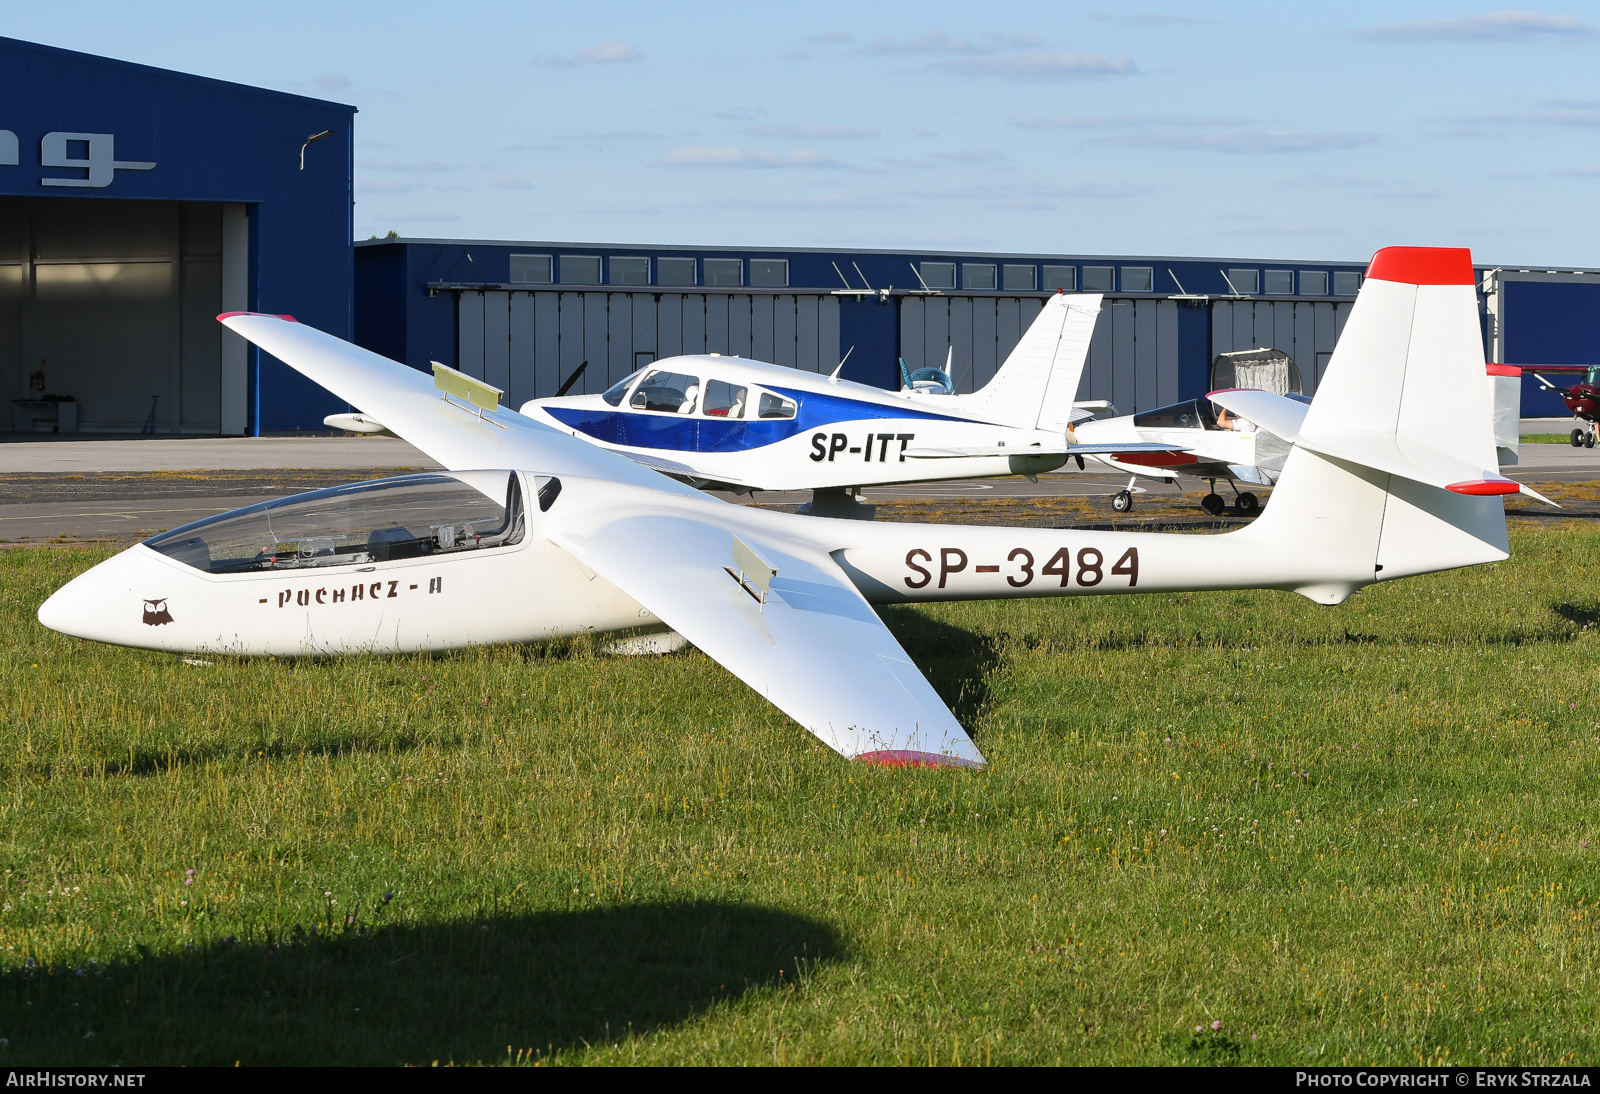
(783, 617)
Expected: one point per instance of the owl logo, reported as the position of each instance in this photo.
(155, 612)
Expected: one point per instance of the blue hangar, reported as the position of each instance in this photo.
(527, 317)
(135, 205)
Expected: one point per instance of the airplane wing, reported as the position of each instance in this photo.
(1041, 450)
(815, 649)
(410, 406)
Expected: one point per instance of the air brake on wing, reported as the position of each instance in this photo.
(754, 575)
(479, 394)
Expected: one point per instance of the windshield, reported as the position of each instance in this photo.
(1593, 375)
(1195, 414)
(616, 391)
(667, 392)
(412, 517)
(934, 380)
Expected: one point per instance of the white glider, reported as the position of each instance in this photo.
(1385, 479)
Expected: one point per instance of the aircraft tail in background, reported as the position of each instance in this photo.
(1035, 387)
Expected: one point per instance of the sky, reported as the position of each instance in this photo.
(1270, 130)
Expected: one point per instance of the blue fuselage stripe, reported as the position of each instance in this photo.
(647, 429)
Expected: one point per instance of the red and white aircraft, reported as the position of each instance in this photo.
(533, 533)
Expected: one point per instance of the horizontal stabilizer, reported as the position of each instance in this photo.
(1275, 413)
(356, 423)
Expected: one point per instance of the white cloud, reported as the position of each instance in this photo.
(511, 182)
(618, 135)
(330, 82)
(622, 210)
(977, 155)
(811, 132)
(1588, 172)
(1128, 121)
(823, 203)
(1492, 27)
(386, 186)
(426, 215)
(1568, 112)
(415, 167)
(931, 41)
(1242, 143)
(1041, 65)
(1013, 41)
(1039, 195)
(693, 156)
(1153, 19)
(611, 51)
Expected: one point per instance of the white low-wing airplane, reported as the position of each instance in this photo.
(710, 419)
(1387, 478)
(1202, 439)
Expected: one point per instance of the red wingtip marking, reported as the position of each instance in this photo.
(1486, 486)
(1423, 266)
(1504, 370)
(899, 757)
(265, 315)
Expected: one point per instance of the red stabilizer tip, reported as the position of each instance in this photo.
(1504, 370)
(1423, 266)
(1485, 486)
(891, 757)
(264, 315)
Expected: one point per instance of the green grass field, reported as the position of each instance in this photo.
(1220, 828)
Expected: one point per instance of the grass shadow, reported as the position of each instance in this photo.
(957, 662)
(459, 991)
(1581, 615)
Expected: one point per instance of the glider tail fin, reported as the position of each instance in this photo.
(1036, 385)
(1394, 465)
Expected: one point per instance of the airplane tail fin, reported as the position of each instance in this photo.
(1036, 385)
(1394, 466)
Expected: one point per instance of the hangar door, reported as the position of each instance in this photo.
(528, 342)
(1304, 330)
(1133, 357)
(114, 304)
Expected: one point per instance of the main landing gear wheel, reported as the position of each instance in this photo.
(1213, 505)
(1588, 440)
(1122, 501)
(1577, 438)
(1247, 504)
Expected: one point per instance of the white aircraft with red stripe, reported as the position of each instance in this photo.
(532, 533)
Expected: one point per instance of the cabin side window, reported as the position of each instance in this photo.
(776, 406)
(667, 393)
(417, 516)
(724, 400)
